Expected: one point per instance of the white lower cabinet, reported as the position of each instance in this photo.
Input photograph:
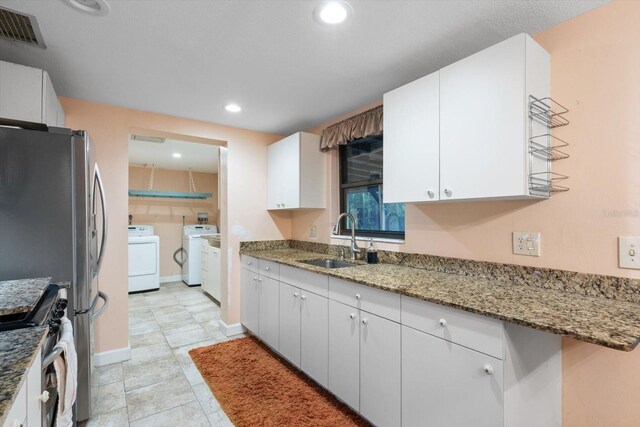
(401, 361)
(364, 363)
(380, 371)
(27, 407)
(444, 384)
(249, 300)
(289, 328)
(314, 336)
(344, 353)
(268, 291)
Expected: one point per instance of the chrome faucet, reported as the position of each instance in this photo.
(354, 249)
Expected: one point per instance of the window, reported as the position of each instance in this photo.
(361, 191)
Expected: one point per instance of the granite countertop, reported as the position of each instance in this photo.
(18, 349)
(598, 320)
(30, 291)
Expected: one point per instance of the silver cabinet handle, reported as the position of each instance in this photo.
(248, 262)
(352, 316)
(357, 296)
(97, 183)
(303, 297)
(430, 193)
(260, 280)
(267, 269)
(442, 322)
(295, 294)
(488, 369)
(448, 192)
(365, 321)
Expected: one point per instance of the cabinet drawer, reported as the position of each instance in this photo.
(250, 263)
(384, 304)
(312, 282)
(269, 269)
(471, 330)
(18, 413)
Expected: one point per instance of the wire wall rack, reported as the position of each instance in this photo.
(544, 148)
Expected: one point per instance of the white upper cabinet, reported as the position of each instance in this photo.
(20, 92)
(412, 142)
(295, 173)
(49, 101)
(484, 121)
(27, 94)
(479, 148)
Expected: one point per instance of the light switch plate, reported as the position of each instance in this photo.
(313, 231)
(629, 252)
(526, 243)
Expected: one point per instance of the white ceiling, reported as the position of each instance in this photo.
(189, 58)
(195, 156)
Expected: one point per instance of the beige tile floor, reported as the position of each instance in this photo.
(160, 385)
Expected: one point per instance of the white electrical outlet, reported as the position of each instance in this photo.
(313, 231)
(526, 243)
(629, 252)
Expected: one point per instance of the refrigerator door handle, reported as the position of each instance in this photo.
(105, 298)
(100, 186)
(90, 309)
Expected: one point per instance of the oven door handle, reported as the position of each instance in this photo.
(49, 358)
(105, 298)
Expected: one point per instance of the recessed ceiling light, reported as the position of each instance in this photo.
(332, 12)
(92, 7)
(233, 108)
(176, 155)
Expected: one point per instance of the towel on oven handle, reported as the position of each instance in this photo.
(66, 366)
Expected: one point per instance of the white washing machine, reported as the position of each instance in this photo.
(192, 244)
(144, 259)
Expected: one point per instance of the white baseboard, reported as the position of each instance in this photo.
(167, 279)
(112, 356)
(230, 330)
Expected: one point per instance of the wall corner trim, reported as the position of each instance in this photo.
(112, 356)
(232, 329)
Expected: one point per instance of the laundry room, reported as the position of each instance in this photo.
(174, 213)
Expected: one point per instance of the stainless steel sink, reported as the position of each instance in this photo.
(330, 263)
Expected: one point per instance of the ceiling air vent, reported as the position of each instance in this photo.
(20, 27)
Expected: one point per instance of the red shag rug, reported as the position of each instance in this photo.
(256, 387)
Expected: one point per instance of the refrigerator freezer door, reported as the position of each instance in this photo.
(36, 205)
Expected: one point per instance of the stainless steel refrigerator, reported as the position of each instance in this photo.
(53, 222)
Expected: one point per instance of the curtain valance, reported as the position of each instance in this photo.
(365, 124)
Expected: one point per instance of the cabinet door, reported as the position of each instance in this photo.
(314, 336)
(380, 370)
(249, 298)
(34, 390)
(214, 273)
(290, 166)
(482, 124)
(289, 327)
(344, 353)
(20, 92)
(61, 122)
(49, 101)
(411, 166)
(446, 384)
(269, 313)
(274, 176)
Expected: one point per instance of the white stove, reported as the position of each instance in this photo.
(192, 244)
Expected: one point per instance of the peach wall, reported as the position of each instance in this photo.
(166, 215)
(109, 128)
(596, 74)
